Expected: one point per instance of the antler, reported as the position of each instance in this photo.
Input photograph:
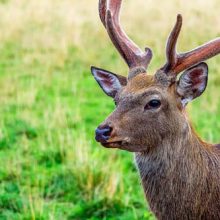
(179, 62)
(136, 59)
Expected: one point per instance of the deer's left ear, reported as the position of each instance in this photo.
(109, 82)
(192, 83)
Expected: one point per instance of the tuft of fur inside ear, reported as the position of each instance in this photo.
(109, 82)
(192, 83)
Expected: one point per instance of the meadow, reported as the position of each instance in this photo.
(50, 165)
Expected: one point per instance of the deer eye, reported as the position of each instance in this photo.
(153, 104)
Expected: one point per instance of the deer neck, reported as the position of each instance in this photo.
(182, 147)
(177, 163)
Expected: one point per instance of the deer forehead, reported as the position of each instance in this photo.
(142, 83)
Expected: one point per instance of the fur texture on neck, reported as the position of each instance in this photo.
(181, 178)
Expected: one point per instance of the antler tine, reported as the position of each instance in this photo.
(193, 57)
(171, 53)
(136, 59)
(179, 62)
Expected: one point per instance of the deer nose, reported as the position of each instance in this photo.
(103, 133)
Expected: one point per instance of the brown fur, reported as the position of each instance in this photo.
(180, 173)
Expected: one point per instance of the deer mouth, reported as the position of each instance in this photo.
(115, 144)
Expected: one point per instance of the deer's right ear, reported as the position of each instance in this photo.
(109, 82)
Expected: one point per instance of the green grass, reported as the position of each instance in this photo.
(50, 165)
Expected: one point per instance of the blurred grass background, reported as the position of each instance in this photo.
(50, 165)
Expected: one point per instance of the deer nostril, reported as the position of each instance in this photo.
(103, 133)
(107, 131)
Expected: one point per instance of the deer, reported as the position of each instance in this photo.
(179, 172)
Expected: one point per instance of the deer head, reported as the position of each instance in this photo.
(149, 107)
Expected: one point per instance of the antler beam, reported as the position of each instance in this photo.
(179, 62)
(136, 59)
(193, 57)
